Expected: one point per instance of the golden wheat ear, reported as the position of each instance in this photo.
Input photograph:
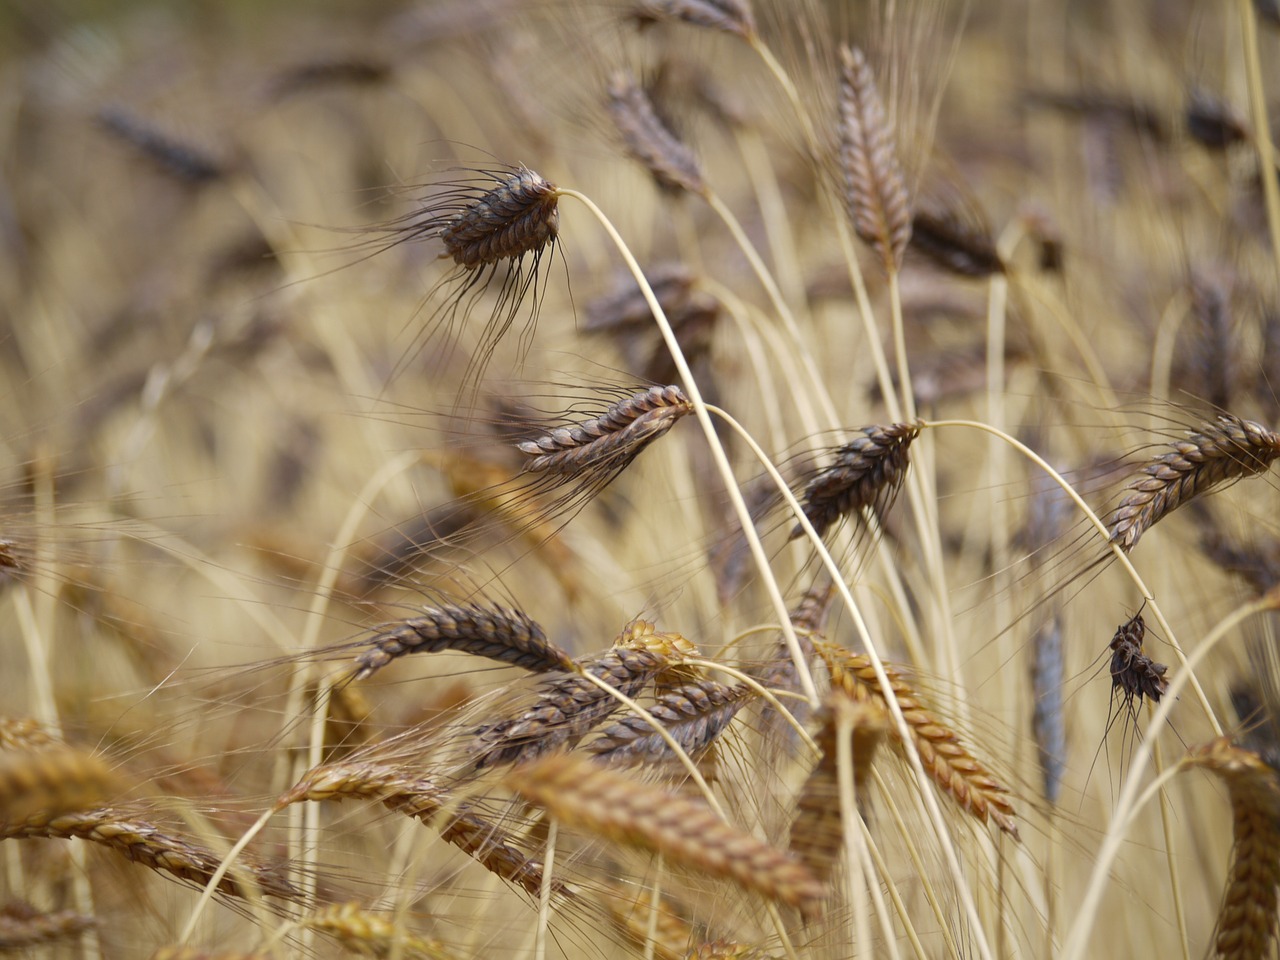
(1247, 917)
(1229, 448)
(366, 933)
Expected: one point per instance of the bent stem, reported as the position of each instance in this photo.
(934, 812)
(717, 448)
(1101, 527)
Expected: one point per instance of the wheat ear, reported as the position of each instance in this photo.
(728, 16)
(875, 192)
(22, 925)
(579, 793)
(649, 140)
(369, 934)
(866, 472)
(695, 714)
(498, 633)
(1228, 448)
(952, 767)
(610, 441)
(1247, 919)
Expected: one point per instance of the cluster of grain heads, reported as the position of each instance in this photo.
(865, 474)
(497, 633)
(1229, 448)
(953, 768)
(585, 796)
(23, 926)
(1247, 918)
(606, 444)
(875, 191)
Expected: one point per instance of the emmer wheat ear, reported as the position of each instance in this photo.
(22, 925)
(956, 771)
(649, 139)
(518, 215)
(817, 834)
(610, 441)
(182, 160)
(866, 473)
(1247, 918)
(729, 16)
(1133, 673)
(695, 714)
(949, 240)
(875, 192)
(581, 794)
(370, 934)
(498, 633)
(1229, 448)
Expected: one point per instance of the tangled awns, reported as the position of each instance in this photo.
(679, 479)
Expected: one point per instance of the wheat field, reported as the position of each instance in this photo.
(639, 478)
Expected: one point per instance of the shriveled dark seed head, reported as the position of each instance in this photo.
(649, 139)
(520, 215)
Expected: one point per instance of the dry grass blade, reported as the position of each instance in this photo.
(1227, 449)
(817, 834)
(369, 934)
(1247, 918)
(729, 16)
(610, 441)
(498, 633)
(695, 714)
(944, 757)
(22, 925)
(649, 139)
(875, 192)
(37, 786)
(146, 843)
(579, 793)
(867, 472)
(565, 709)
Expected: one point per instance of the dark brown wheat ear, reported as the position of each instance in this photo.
(607, 443)
(1229, 448)
(649, 139)
(498, 633)
(866, 473)
(875, 192)
(1247, 917)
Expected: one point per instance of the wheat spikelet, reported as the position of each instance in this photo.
(25, 733)
(1247, 917)
(565, 709)
(582, 794)
(674, 648)
(517, 216)
(1229, 448)
(866, 473)
(944, 757)
(631, 911)
(875, 192)
(369, 934)
(1133, 673)
(817, 833)
(610, 441)
(423, 799)
(649, 140)
(22, 925)
(145, 843)
(498, 633)
(694, 714)
(729, 16)
(36, 786)
(954, 244)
